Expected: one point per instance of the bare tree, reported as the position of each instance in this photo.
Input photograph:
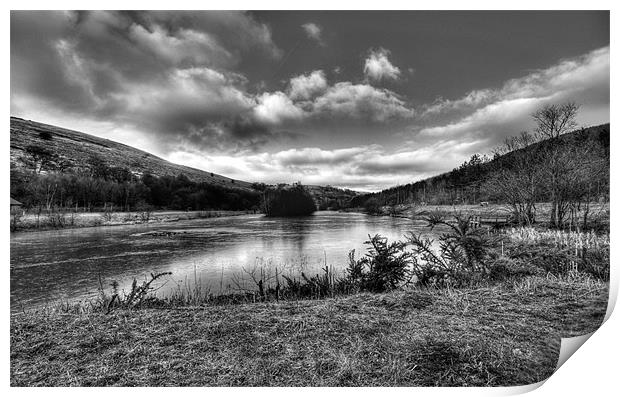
(518, 181)
(555, 120)
(560, 165)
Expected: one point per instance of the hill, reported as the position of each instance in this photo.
(57, 167)
(468, 184)
(73, 151)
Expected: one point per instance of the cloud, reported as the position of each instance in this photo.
(313, 31)
(490, 115)
(569, 76)
(378, 67)
(369, 167)
(276, 108)
(307, 86)
(361, 101)
(169, 73)
(186, 46)
(179, 84)
(345, 99)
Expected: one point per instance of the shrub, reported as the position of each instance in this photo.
(384, 267)
(137, 296)
(463, 255)
(45, 135)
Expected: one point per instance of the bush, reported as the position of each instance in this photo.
(384, 267)
(463, 256)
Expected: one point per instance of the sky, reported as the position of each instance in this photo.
(357, 99)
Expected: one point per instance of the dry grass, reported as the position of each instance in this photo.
(599, 212)
(506, 334)
(559, 238)
(72, 220)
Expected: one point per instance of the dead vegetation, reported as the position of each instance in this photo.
(505, 334)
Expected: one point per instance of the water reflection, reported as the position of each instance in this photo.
(67, 264)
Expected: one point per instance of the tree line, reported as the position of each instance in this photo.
(102, 187)
(548, 164)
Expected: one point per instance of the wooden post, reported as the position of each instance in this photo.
(261, 291)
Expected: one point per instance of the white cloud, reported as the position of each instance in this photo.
(490, 115)
(369, 167)
(186, 45)
(568, 77)
(276, 107)
(361, 101)
(306, 86)
(313, 31)
(378, 67)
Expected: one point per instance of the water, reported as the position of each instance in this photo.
(219, 253)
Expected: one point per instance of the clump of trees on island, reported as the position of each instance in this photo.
(288, 200)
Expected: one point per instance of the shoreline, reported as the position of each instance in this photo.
(79, 220)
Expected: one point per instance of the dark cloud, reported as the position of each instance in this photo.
(171, 73)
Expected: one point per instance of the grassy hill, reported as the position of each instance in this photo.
(76, 151)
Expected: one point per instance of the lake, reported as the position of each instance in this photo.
(218, 253)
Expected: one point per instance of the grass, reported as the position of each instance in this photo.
(501, 334)
(598, 212)
(70, 220)
(559, 238)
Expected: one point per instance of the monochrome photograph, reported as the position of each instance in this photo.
(385, 198)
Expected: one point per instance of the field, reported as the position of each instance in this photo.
(507, 334)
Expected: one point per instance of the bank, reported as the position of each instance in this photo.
(73, 220)
(495, 335)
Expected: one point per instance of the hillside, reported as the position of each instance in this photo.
(466, 184)
(93, 172)
(329, 197)
(75, 151)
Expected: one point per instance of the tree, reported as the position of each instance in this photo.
(517, 181)
(555, 120)
(39, 157)
(551, 122)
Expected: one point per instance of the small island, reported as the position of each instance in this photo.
(288, 200)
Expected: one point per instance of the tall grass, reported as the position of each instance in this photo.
(559, 238)
(559, 252)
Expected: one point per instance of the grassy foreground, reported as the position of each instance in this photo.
(503, 334)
